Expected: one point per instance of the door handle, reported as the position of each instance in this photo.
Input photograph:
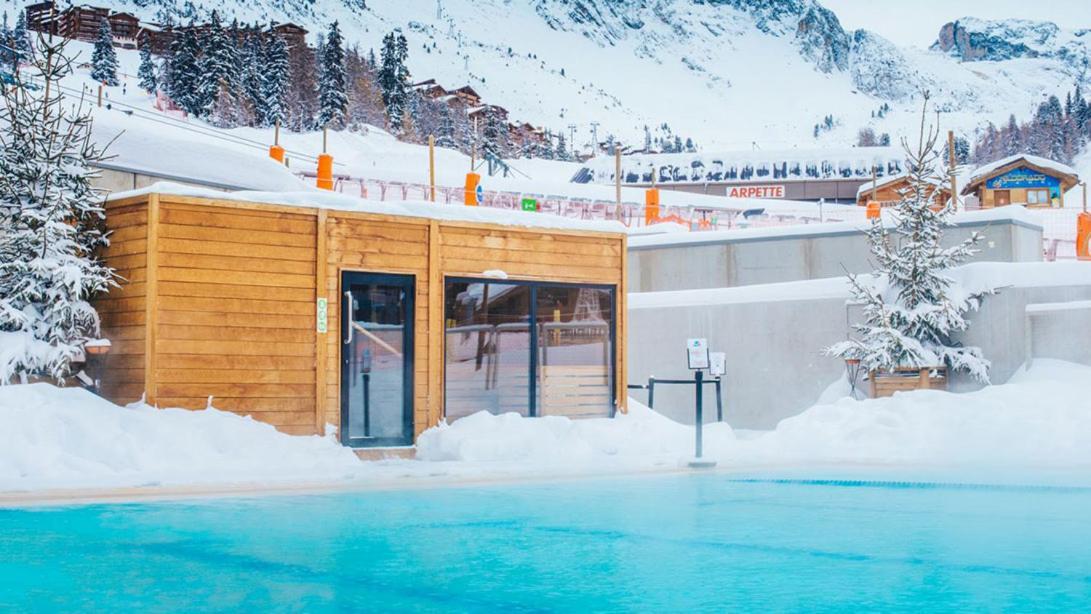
(348, 316)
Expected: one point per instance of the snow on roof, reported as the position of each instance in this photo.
(756, 166)
(320, 199)
(982, 172)
(867, 187)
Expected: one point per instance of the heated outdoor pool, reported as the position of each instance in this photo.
(675, 543)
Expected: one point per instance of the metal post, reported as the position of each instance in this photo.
(651, 392)
(700, 413)
(367, 404)
(432, 168)
(719, 401)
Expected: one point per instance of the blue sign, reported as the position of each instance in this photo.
(480, 194)
(1023, 178)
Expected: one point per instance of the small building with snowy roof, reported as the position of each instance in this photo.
(312, 308)
(888, 191)
(1021, 179)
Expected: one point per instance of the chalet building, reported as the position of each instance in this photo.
(431, 90)
(888, 191)
(1021, 179)
(468, 96)
(82, 22)
(486, 112)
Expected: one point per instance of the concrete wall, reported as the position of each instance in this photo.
(775, 368)
(119, 179)
(740, 258)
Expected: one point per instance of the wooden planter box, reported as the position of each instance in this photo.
(886, 384)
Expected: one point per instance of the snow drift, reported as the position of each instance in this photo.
(69, 438)
(1035, 427)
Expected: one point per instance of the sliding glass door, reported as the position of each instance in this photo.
(532, 348)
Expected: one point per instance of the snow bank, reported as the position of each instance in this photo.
(70, 438)
(638, 438)
(1041, 419)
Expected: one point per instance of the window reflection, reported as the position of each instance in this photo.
(489, 346)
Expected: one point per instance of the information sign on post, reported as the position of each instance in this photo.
(717, 364)
(697, 354)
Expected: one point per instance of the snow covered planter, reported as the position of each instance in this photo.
(911, 308)
(886, 384)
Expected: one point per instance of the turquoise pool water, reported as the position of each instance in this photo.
(669, 543)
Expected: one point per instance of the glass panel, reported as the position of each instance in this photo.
(575, 375)
(487, 347)
(375, 373)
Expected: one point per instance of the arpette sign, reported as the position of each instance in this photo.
(756, 191)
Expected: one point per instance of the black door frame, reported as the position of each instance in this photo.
(409, 283)
(534, 284)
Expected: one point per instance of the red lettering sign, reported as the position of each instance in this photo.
(756, 191)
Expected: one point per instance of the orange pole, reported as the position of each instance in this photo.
(651, 206)
(276, 152)
(473, 182)
(1083, 230)
(325, 172)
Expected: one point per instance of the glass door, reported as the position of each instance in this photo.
(376, 359)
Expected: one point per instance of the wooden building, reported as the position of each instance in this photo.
(888, 191)
(246, 302)
(468, 96)
(82, 22)
(1021, 179)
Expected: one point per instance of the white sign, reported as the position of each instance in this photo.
(322, 312)
(719, 364)
(756, 191)
(697, 353)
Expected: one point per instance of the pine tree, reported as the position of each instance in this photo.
(183, 71)
(219, 67)
(252, 67)
(394, 78)
(103, 58)
(332, 90)
(51, 222)
(21, 38)
(911, 307)
(275, 74)
(148, 81)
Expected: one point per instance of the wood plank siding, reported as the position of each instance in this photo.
(223, 302)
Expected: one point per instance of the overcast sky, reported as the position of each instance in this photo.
(917, 22)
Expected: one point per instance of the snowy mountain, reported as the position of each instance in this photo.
(731, 74)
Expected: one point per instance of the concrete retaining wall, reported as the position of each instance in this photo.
(761, 256)
(775, 366)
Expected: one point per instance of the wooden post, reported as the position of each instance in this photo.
(321, 340)
(617, 176)
(324, 137)
(1084, 185)
(473, 147)
(951, 169)
(276, 132)
(99, 95)
(435, 323)
(432, 168)
(874, 183)
(151, 302)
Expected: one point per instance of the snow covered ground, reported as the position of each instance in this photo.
(1031, 430)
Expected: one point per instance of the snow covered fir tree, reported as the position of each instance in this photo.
(332, 94)
(911, 306)
(147, 72)
(104, 58)
(51, 222)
